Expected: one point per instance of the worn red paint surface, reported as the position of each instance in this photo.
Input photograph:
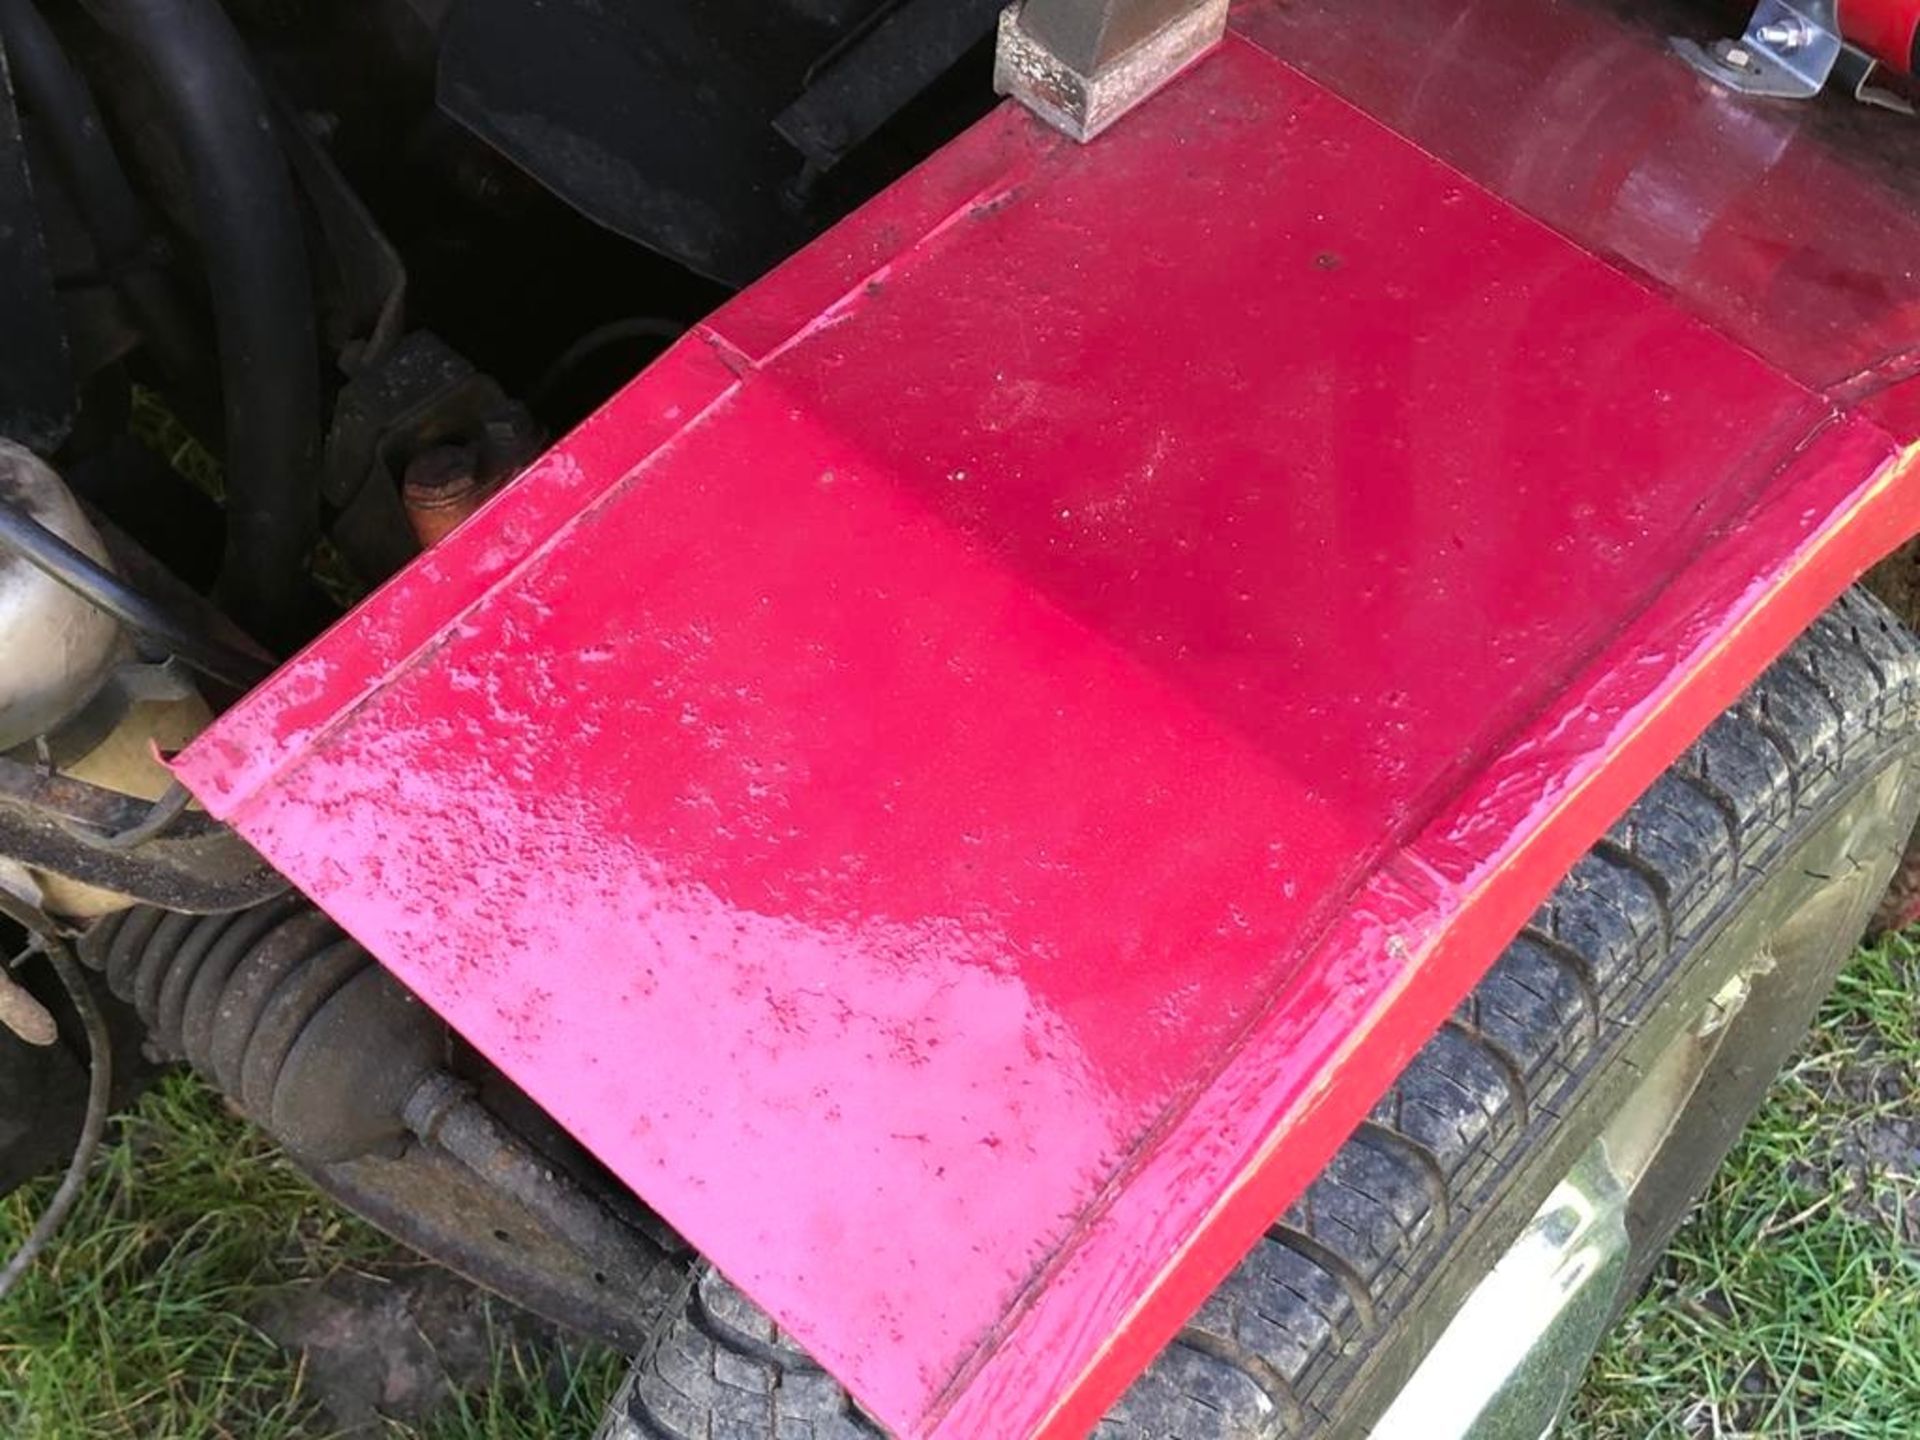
(963, 782)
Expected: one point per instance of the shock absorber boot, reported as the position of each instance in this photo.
(286, 1014)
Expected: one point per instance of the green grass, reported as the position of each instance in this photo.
(140, 1321)
(529, 1397)
(1790, 1305)
(159, 430)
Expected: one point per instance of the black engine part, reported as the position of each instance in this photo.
(75, 133)
(44, 1087)
(284, 1013)
(698, 129)
(419, 395)
(37, 400)
(371, 1094)
(261, 286)
(115, 842)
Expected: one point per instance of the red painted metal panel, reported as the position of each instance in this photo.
(1884, 28)
(1791, 227)
(963, 782)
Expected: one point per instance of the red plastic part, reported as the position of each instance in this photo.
(965, 780)
(1883, 28)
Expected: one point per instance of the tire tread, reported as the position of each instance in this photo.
(1272, 1349)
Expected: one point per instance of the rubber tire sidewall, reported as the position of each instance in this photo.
(1762, 1039)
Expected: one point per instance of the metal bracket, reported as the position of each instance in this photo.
(1855, 72)
(1082, 64)
(1788, 52)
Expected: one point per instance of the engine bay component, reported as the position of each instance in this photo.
(23, 1016)
(94, 1120)
(419, 440)
(655, 120)
(76, 135)
(664, 121)
(283, 1012)
(56, 647)
(261, 288)
(443, 488)
(328, 1053)
(86, 825)
(94, 582)
(37, 400)
(874, 74)
(81, 849)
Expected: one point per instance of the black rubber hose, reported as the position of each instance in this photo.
(92, 1127)
(249, 224)
(87, 578)
(70, 123)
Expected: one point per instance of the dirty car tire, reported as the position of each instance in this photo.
(1314, 1333)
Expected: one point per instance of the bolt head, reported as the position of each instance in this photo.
(1787, 35)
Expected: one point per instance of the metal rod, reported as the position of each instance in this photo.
(93, 582)
(444, 1113)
